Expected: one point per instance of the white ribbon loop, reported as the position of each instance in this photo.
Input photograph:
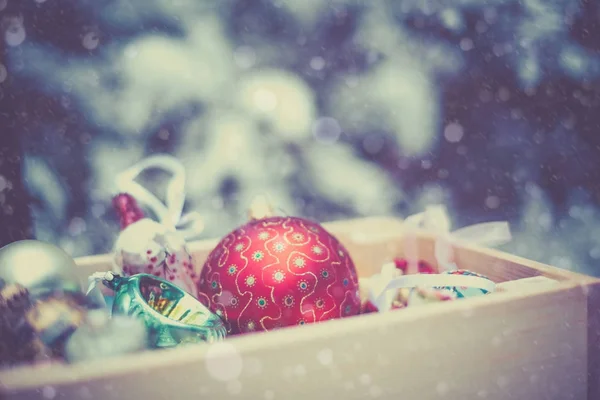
(169, 214)
(382, 287)
(435, 219)
(489, 234)
(384, 302)
(194, 223)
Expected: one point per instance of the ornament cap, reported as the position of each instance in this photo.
(260, 208)
(113, 281)
(128, 209)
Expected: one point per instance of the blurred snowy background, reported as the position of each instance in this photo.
(336, 108)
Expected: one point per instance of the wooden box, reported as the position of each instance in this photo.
(539, 343)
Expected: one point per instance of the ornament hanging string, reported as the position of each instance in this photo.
(169, 214)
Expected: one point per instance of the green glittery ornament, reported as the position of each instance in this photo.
(171, 315)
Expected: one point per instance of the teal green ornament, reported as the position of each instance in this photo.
(172, 316)
(462, 292)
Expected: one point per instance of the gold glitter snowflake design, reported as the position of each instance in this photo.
(288, 301)
(250, 280)
(239, 247)
(317, 250)
(298, 237)
(263, 235)
(233, 302)
(232, 269)
(261, 302)
(258, 255)
(278, 247)
(279, 276)
(300, 262)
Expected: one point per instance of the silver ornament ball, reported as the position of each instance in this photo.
(38, 266)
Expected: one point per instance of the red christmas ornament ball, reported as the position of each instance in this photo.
(276, 272)
(423, 266)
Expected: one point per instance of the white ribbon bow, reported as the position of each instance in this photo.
(170, 213)
(382, 286)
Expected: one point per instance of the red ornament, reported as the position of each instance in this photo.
(368, 307)
(423, 266)
(279, 271)
(127, 209)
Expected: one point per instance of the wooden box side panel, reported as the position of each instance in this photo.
(491, 347)
(501, 267)
(593, 291)
(508, 336)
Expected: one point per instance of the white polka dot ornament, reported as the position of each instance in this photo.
(147, 246)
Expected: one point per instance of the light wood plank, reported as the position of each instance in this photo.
(536, 344)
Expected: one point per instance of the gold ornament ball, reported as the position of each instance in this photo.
(38, 266)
